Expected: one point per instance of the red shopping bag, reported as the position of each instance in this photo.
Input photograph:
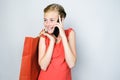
(29, 64)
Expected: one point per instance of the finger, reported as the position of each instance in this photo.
(60, 19)
(63, 21)
(59, 25)
(46, 34)
(42, 31)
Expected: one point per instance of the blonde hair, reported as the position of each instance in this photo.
(56, 7)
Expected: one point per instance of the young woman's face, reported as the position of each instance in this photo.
(50, 20)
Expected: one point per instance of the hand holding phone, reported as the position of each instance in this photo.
(56, 30)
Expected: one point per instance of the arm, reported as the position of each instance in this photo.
(69, 45)
(70, 49)
(44, 56)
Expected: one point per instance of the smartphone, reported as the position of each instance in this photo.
(56, 30)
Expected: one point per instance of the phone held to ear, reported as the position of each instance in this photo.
(56, 30)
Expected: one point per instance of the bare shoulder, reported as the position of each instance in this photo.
(71, 34)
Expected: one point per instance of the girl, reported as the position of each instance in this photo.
(57, 49)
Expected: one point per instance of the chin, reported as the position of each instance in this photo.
(50, 32)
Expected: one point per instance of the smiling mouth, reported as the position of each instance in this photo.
(50, 29)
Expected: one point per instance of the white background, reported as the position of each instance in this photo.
(97, 27)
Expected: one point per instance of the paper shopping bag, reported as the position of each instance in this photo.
(29, 65)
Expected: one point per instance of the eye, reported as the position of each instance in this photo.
(52, 20)
(45, 20)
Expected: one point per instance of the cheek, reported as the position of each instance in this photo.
(54, 23)
(50, 24)
(44, 24)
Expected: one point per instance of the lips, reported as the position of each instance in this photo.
(50, 29)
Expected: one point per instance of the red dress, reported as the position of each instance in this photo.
(58, 68)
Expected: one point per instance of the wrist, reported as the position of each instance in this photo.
(63, 34)
(52, 41)
(64, 37)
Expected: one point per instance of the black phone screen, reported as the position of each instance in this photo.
(56, 31)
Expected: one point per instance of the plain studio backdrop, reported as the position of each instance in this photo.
(97, 27)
